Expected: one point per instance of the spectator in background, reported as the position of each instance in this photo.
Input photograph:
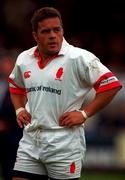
(10, 133)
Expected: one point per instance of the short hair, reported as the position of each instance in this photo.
(44, 13)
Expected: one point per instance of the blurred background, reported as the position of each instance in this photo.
(96, 26)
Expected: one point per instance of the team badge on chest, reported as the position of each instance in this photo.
(59, 74)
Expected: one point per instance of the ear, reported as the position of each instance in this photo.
(35, 36)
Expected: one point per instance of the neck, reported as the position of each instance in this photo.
(44, 56)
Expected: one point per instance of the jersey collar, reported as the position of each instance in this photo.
(34, 51)
(40, 62)
(64, 47)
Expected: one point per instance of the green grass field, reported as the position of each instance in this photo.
(103, 176)
(90, 175)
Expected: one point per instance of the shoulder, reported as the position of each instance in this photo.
(81, 54)
(25, 56)
(76, 53)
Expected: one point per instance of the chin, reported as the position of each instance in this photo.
(53, 52)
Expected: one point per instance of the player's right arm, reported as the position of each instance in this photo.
(18, 93)
(19, 102)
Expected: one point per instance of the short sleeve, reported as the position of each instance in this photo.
(96, 75)
(16, 83)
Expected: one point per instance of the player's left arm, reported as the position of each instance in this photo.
(100, 101)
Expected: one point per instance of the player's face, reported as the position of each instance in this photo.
(49, 36)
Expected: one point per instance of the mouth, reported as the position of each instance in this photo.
(52, 44)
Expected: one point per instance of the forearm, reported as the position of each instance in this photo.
(100, 101)
(18, 100)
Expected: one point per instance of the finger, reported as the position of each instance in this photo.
(22, 120)
(25, 121)
(20, 124)
(70, 124)
(28, 116)
(25, 116)
(63, 116)
(64, 121)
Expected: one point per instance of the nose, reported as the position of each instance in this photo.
(52, 34)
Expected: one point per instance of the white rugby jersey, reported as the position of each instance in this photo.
(61, 85)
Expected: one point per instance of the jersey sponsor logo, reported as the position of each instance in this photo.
(72, 167)
(27, 74)
(108, 80)
(44, 89)
(59, 74)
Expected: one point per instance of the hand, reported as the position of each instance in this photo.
(72, 118)
(23, 118)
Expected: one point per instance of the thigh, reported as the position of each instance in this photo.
(19, 175)
(27, 159)
(26, 163)
(64, 154)
(64, 169)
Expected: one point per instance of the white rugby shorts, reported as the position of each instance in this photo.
(56, 153)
